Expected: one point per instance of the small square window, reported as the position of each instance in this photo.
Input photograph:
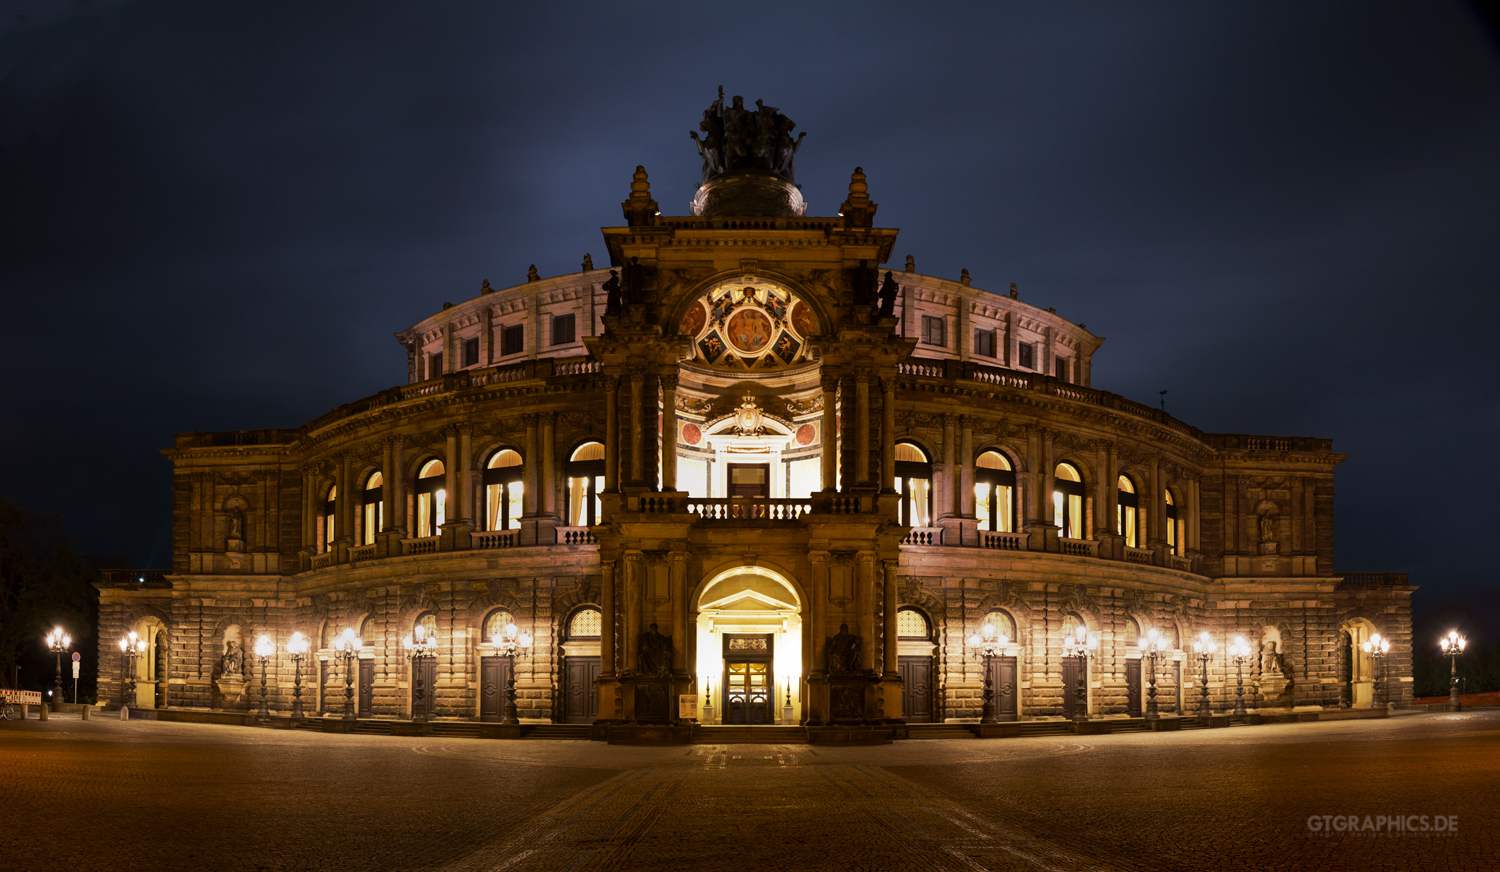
(1026, 356)
(984, 343)
(934, 331)
(513, 339)
(562, 329)
(471, 351)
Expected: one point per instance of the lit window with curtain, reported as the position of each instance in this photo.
(1171, 523)
(1067, 501)
(503, 490)
(373, 509)
(585, 474)
(432, 499)
(914, 483)
(1127, 512)
(995, 493)
(330, 512)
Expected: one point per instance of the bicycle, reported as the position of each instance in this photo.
(9, 712)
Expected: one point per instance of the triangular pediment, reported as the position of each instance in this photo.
(748, 601)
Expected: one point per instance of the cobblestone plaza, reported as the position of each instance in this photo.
(106, 794)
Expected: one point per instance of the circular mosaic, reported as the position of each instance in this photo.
(691, 434)
(692, 321)
(749, 330)
(806, 434)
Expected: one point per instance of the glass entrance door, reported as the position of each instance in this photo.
(748, 694)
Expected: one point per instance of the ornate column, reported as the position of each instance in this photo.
(669, 433)
(1105, 513)
(862, 427)
(888, 436)
(1195, 513)
(637, 400)
(830, 434)
(676, 578)
(1158, 506)
(309, 510)
(465, 473)
(949, 502)
(529, 488)
(607, 620)
(634, 564)
(396, 485)
(343, 510)
(966, 465)
(548, 465)
(611, 434)
(452, 509)
(891, 647)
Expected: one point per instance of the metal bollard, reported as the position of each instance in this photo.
(124, 712)
(43, 712)
(86, 708)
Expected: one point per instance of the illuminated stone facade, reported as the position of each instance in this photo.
(906, 476)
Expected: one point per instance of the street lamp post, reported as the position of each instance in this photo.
(346, 648)
(1453, 645)
(988, 645)
(1204, 648)
(1376, 648)
(419, 647)
(1082, 644)
(264, 648)
(297, 647)
(133, 646)
(506, 646)
(57, 643)
(1152, 647)
(1239, 652)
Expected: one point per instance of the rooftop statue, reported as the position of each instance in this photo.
(737, 139)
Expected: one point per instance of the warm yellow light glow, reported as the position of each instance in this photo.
(297, 644)
(264, 647)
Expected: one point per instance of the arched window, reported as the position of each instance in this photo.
(368, 629)
(496, 622)
(1171, 523)
(585, 472)
(1071, 623)
(428, 622)
(374, 509)
(1132, 632)
(1127, 512)
(330, 512)
(502, 491)
(912, 624)
(586, 624)
(1067, 501)
(914, 483)
(432, 499)
(1004, 624)
(995, 493)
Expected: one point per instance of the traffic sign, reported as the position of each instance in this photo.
(75, 668)
(77, 657)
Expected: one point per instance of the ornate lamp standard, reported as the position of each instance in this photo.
(1153, 644)
(1453, 645)
(264, 648)
(988, 645)
(506, 646)
(1204, 648)
(57, 643)
(418, 649)
(297, 647)
(346, 648)
(1082, 644)
(1375, 648)
(133, 646)
(1239, 652)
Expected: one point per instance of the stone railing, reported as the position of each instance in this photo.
(488, 539)
(1139, 555)
(923, 536)
(135, 577)
(324, 560)
(845, 504)
(424, 545)
(748, 509)
(1078, 547)
(1180, 563)
(1247, 442)
(575, 536)
(361, 552)
(1002, 541)
(933, 369)
(1374, 579)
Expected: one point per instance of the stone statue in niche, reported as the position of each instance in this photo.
(888, 291)
(233, 662)
(633, 282)
(612, 294)
(843, 652)
(1267, 523)
(235, 541)
(863, 278)
(655, 653)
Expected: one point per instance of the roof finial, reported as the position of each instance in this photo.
(858, 211)
(640, 209)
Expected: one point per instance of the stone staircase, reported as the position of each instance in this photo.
(576, 732)
(939, 731)
(732, 735)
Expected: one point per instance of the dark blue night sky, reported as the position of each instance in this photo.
(214, 216)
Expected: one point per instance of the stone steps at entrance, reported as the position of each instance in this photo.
(556, 731)
(939, 731)
(733, 735)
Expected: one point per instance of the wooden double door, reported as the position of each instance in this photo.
(1007, 688)
(916, 688)
(494, 678)
(580, 690)
(749, 693)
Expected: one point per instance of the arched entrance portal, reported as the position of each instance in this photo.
(749, 648)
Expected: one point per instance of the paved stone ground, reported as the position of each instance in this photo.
(113, 795)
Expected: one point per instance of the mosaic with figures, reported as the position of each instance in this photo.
(747, 326)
